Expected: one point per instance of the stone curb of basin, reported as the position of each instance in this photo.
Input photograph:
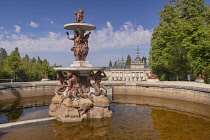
(201, 87)
(4, 86)
(162, 84)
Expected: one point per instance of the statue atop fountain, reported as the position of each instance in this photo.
(76, 98)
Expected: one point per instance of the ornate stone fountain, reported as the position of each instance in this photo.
(76, 98)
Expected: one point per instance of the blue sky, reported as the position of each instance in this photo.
(36, 28)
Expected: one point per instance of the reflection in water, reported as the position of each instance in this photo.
(172, 125)
(88, 129)
(131, 122)
(16, 109)
(14, 115)
(135, 117)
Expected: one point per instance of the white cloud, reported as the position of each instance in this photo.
(15, 37)
(1, 27)
(51, 21)
(17, 29)
(54, 35)
(1, 36)
(54, 42)
(128, 35)
(34, 25)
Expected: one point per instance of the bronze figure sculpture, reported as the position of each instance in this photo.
(79, 16)
(80, 47)
(151, 76)
(98, 76)
(76, 98)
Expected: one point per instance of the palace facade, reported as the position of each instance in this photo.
(136, 71)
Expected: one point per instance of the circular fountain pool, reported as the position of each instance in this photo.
(135, 117)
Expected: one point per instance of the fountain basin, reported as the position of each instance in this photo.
(83, 26)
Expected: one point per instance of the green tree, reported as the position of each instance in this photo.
(181, 41)
(13, 62)
(206, 73)
(115, 63)
(128, 60)
(24, 69)
(144, 60)
(16, 51)
(110, 63)
(3, 54)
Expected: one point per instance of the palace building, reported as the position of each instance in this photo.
(136, 71)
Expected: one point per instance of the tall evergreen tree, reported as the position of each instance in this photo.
(128, 60)
(115, 63)
(110, 63)
(16, 51)
(144, 60)
(3, 54)
(33, 60)
(13, 62)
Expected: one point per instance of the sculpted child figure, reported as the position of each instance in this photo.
(79, 16)
(59, 90)
(85, 47)
(80, 47)
(98, 76)
(76, 47)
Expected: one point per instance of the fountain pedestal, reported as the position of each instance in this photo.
(81, 64)
(76, 98)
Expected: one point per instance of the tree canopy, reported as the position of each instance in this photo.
(180, 44)
(110, 63)
(23, 69)
(128, 60)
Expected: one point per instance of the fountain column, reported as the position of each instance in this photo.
(76, 98)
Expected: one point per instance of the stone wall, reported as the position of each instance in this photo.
(166, 92)
(21, 92)
(180, 106)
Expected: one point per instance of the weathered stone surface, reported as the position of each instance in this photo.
(107, 112)
(80, 64)
(83, 101)
(51, 114)
(73, 113)
(69, 108)
(84, 116)
(73, 116)
(75, 103)
(101, 100)
(53, 107)
(61, 112)
(67, 102)
(56, 99)
(101, 104)
(96, 112)
(100, 112)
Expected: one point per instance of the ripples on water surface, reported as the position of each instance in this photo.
(135, 117)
